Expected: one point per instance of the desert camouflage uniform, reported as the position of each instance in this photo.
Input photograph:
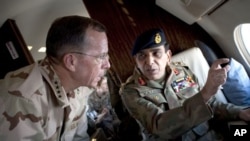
(34, 106)
(149, 103)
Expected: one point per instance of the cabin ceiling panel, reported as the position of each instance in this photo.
(125, 19)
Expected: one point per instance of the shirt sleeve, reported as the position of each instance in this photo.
(222, 110)
(17, 122)
(166, 124)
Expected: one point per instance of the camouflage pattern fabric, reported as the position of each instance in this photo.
(34, 106)
(149, 103)
(97, 103)
(110, 120)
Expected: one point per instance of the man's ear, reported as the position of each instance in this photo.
(135, 61)
(169, 54)
(69, 62)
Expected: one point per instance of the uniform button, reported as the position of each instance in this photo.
(156, 97)
(59, 96)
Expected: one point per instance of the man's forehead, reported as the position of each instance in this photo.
(152, 49)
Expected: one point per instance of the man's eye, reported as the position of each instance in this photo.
(103, 56)
(157, 54)
(141, 56)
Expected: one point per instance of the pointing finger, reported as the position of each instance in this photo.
(216, 64)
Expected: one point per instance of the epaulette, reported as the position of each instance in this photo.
(177, 64)
(140, 80)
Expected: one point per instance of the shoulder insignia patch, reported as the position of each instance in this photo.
(178, 63)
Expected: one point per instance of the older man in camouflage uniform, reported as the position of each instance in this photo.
(47, 100)
(165, 97)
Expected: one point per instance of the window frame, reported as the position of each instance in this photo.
(242, 45)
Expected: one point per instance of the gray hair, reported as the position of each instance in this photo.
(68, 33)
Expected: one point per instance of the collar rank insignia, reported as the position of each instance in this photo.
(157, 38)
(176, 71)
(141, 81)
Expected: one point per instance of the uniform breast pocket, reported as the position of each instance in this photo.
(188, 92)
(185, 87)
(156, 98)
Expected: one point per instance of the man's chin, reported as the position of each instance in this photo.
(90, 85)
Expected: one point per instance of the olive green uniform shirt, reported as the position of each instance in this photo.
(171, 107)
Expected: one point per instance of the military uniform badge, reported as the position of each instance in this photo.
(182, 83)
(157, 38)
(176, 71)
(141, 81)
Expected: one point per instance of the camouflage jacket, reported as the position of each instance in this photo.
(149, 103)
(34, 106)
(97, 104)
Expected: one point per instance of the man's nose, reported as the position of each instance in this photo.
(149, 60)
(106, 63)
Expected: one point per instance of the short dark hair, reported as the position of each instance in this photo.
(69, 31)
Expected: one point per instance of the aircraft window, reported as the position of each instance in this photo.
(241, 39)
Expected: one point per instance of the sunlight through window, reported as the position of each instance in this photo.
(242, 40)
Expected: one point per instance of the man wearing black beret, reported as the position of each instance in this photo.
(165, 98)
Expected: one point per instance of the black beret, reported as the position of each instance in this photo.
(149, 39)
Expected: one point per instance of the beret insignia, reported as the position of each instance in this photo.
(157, 38)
